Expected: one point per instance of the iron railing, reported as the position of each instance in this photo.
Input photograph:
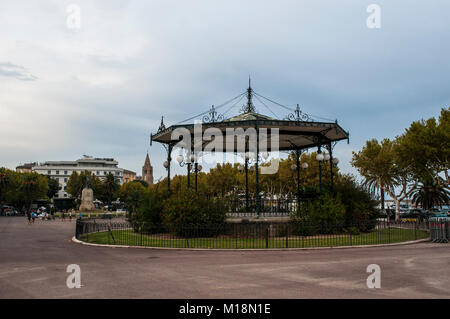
(267, 207)
(248, 235)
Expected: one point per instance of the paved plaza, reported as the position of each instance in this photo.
(33, 261)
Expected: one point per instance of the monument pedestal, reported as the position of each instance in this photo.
(87, 200)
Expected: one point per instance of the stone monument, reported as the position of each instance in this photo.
(87, 197)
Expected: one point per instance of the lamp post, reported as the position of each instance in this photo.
(320, 158)
(249, 157)
(187, 162)
(333, 162)
(296, 167)
(166, 165)
(197, 168)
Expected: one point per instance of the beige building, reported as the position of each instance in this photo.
(129, 176)
(25, 168)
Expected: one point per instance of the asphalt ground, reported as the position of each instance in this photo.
(34, 260)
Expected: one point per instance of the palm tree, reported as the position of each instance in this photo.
(430, 193)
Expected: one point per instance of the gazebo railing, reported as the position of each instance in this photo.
(267, 207)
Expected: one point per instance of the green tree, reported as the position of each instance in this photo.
(430, 193)
(222, 180)
(377, 165)
(5, 183)
(33, 186)
(53, 187)
(424, 148)
(74, 185)
(77, 182)
(110, 187)
(132, 195)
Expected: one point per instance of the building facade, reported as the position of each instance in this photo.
(129, 176)
(25, 168)
(61, 170)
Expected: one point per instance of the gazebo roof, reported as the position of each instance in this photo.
(250, 116)
(296, 131)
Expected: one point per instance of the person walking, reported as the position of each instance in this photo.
(33, 216)
(29, 218)
(63, 216)
(70, 216)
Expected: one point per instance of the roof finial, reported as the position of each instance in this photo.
(249, 107)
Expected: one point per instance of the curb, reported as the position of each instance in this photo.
(77, 241)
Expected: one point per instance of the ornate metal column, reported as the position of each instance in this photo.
(298, 153)
(189, 175)
(331, 167)
(196, 174)
(246, 184)
(169, 159)
(319, 151)
(257, 172)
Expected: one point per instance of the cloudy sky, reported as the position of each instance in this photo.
(101, 89)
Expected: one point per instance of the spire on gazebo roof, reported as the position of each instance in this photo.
(249, 108)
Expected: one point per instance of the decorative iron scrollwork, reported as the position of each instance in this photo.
(212, 116)
(298, 116)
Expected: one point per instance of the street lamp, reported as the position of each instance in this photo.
(320, 158)
(296, 167)
(197, 168)
(166, 165)
(188, 162)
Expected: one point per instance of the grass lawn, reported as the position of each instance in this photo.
(129, 237)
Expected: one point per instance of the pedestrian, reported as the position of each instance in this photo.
(29, 217)
(33, 216)
(63, 216)
(70, 216)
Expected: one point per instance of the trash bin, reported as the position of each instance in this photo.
(439, 229)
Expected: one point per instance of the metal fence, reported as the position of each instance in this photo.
(248, 235)
(440, 229)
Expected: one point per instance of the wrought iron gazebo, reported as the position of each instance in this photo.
(297, 132)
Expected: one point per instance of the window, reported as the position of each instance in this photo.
(65, 172)
(65, 195)
(57, 172)
(49, 172)
(65, 187)
(65, 180)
